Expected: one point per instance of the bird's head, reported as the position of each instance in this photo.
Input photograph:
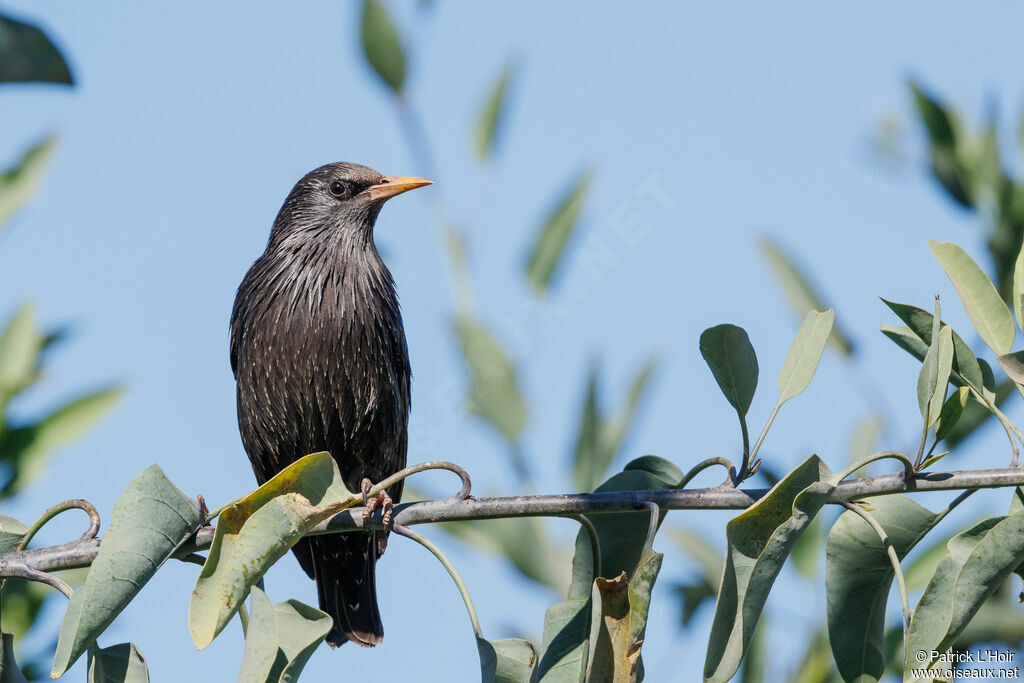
(342, 199)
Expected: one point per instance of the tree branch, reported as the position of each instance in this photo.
(81, 553)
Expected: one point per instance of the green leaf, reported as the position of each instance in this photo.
(1013, 365)
(982, 302)
(728, 352)
(935, 118)
(10, 672)
(122, 663)
(494, 386)
(506, 661)
(976, 414)
(492, 117)
(280, 639)
(150, 520)
(977, 562)
(858, 576)
(565, 643)
(600, 439)
(759, 540)
(382, 46)
(27, 55)
(20, 343)
(933, 379)
(554, 235)
(1017, 298)
(640, 587)
(614, 659)
(802, 296)
(11, 533)
(255, 532)
(621, 535)
(965, 364)
(19, 183)
(804, 354)
(951, 411)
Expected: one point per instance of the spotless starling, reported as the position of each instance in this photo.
(321, 364)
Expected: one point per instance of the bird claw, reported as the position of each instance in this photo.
(382, 500)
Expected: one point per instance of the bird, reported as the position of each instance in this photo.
(320, 360)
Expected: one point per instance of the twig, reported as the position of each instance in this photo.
(80, 553)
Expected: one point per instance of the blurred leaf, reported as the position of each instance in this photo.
(918, 571)
(27, 55)
(807, 550)
(258, 530)
(816, 664)
(759, 539)
(709, 561)
(151, 519)
(20, 342)
(382, 46)
(554, 235)
(947, 166)
(494, 388)
(600, 438)
(280, 639)
(28, 446)
(933, 380)
(622, 534)
(506, 661)
(699, 550)
(728, 352)
(858, 577)
(976, 414)
(23, 601)
(804, 354)
(18, 184)
(865, 437)
(799, 291)
(977, 562)
(11, 533)
(490, 123)
(756, 661)
(526, 543)
(10, 672)
(952, 409)
(982, 302)
(122, 663)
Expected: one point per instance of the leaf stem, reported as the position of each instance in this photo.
(908, 467)
(764, 432)
(652, 529)
(705, 464)
(426, 543)
(595, 542)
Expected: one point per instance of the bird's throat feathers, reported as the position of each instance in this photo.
(333, 276)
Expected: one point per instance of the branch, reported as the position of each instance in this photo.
(81, 553)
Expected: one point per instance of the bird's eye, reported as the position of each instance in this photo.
(339, 188)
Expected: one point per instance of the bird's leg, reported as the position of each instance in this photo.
(381, 500)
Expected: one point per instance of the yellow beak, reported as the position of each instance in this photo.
(388, 186)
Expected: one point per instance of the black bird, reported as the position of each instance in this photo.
(319, 355)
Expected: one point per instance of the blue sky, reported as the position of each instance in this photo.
(188, 127)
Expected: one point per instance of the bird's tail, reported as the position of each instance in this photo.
(345, 568)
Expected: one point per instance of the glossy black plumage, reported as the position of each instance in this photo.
(320, 359)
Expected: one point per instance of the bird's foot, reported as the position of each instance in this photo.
(382, 500)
